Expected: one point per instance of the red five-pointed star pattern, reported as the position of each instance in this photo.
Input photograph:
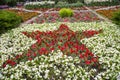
(62, 39)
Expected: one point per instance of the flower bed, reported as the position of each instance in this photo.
(4, 6)
(37, 5)
(25, 15)
(108, 12)
(104, 7)
(104, 45)
(77, 17)
(74, 8)
(41, 9)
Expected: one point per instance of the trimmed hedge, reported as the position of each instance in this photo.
(116, 17)
(64, 12)
(8, 20)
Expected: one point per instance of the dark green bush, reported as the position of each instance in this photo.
(8, 20)
(8, 2)
(116, 17)
(2, 2)
(12, 3)
(71, 1)
(38, 5)
(64, 12)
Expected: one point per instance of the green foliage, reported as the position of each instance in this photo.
(2, 2)
(8, 20)
(67, 5)
(8, 2)
(116, 18)
(66, 12)
(104, 3)
(71, 1)
(56, 1)
(38, 5)
(59, 4)
(12, 3)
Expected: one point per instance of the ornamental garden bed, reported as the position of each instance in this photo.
(76, 46)
(84, 50)
(24, 14)
(73, 8)
(108, 12)
(52, 17)
(104, 7)
(40, 9)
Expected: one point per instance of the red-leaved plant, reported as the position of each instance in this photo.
(62, 39)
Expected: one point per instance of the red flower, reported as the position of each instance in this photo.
(86, 55)
(62, 48)
(94, 59)
(91, 54)
(81, 55)
(34, 54)
(34, 46)
(50, 40)
(90, 33)
(10, 62)
(72, 50)
(82, 47)
(51, 49)
(39, 41)
(43, 51)
(4, 65)
(29, 58)
(18, 56)
(25, 33)
(28, 54)
(13, 63)
(88, 62)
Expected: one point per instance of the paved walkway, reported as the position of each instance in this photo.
(26, 10)
(106, 19)
(48, 11)
(29, 21)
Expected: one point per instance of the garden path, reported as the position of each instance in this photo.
(100, 16)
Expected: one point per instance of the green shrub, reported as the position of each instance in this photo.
(116, 17)
(8, 20)
(8, 2)
(71, 1)
(2, 2)
(66, 12)
(12, 3)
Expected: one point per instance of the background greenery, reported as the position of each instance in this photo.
(8, 20)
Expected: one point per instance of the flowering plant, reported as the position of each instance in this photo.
(105, 45)
(64, 39)
(24, 14)
(77, 17)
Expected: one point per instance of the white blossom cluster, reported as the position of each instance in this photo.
(40, 3)
(52, 67)
(105, 45)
